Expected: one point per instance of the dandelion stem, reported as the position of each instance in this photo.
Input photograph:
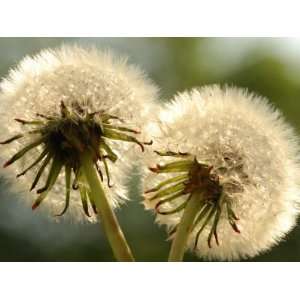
(184, 228)
(112, 229)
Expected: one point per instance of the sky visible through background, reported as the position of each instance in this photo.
(268, 66)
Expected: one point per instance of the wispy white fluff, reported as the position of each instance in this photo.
(98, 81)
(215, 124)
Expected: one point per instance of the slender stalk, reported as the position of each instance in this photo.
(112, 229)
(184, 228)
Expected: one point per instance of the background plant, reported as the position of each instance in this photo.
(174, 64)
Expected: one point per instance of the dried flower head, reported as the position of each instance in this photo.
(58, 104)
(236, 151)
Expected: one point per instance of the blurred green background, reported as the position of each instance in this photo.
(268, 66)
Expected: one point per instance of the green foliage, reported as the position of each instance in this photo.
(174, 64)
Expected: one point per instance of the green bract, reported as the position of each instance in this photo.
(63, 139)
(194, 178)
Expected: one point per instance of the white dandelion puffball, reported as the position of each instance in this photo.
(71, 99)
(238, 150)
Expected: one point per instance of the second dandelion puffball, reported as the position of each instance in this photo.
(236, 151)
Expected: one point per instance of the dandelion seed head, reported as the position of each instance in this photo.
(254, 154)
(87, 78)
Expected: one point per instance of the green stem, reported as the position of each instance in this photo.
(184, 228)
(112, 229)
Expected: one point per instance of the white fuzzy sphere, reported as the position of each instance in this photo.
(97, 81)
(250, 145)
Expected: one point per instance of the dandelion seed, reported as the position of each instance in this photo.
(236, 151)
(62, 102)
